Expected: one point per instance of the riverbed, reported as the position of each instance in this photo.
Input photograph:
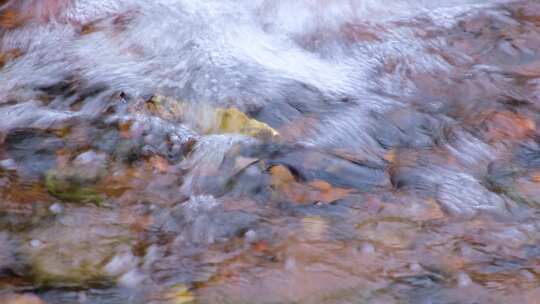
(258, 151)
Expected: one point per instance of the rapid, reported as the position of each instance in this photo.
(269, 151)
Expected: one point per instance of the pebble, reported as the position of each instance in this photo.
(56, 208)
(82, 298)
(35, 243)
(415, 267)
(8, 164)
(290, 264)
(529, 276)
(121, 263)
(463, 279)
(250, 236)
(152, 255)
(131, 279)
(90, 158)
(367, 248)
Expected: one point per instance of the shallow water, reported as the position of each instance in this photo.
(388, 152)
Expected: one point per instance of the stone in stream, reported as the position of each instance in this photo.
(21, 299)
(85, 247)
(76, 182)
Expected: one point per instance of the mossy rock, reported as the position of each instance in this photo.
(70, 189)
(74, 251)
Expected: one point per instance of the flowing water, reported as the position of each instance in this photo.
(269, 151)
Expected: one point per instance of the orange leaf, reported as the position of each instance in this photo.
(390, 156)
(125, 129)
(260, 247)
(509, 125)
(324, 192)
(159, 163)
(281, 175)
(288, 188)
(10, 19)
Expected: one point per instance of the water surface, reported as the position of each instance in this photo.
(307, 151)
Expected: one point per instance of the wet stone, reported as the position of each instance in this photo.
(293, 151)
(392, 232)
(21, 299)
(89, 241)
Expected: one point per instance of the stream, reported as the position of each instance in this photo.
(269, 151)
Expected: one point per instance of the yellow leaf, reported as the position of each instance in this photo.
(207, 119)
(232, 120)
(180, 294)
(315, 227)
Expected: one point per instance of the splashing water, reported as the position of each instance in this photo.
(388, 152)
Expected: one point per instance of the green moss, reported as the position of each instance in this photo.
(74, 251)
(70, 190)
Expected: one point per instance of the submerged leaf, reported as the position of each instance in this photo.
(286, 187)
(70, 191)
(232, 120)
(208, 119)
(179, 294)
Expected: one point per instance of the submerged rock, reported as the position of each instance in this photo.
(83, 248)
(393, 232)
(70, 190)
(21, 299)
(76, 181)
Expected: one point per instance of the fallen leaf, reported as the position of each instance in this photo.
(260, 247)
(326, 193)
(9, 55)
(159, 163)
(315, 227)
(10, 19)
(232, 120)
(508, 125)
(536, 177)
(124, 129)
(179, 294)
(287, 188)
(88, 28)
(281, 175)
(390, 156)
(167, 108)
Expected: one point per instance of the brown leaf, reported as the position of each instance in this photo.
(324, 192)
(260, 247)
(286, 187)
(159, 163)
(354, 33)
(10, 19)
(9, 55)
(508, 125)
(88, 28)
(390, 156)
(315, 227)
(281, 175)
(124, 129)
(536, 177)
